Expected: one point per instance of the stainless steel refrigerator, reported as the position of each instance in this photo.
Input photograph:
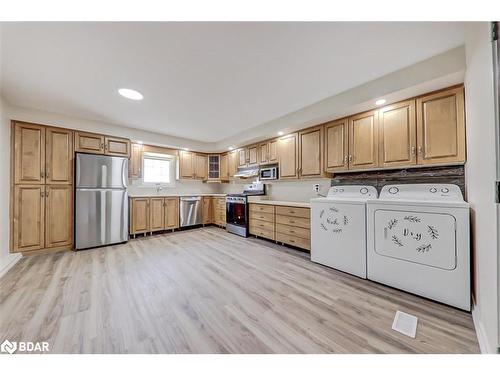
(101, 200)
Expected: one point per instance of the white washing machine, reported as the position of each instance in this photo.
(338, 228)
(418, 241)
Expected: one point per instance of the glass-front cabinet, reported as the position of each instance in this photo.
(214, 168)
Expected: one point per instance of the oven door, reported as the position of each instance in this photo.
(236, 213)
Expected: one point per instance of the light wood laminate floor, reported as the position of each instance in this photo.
(207, 291)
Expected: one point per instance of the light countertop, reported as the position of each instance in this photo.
(280, 203)
(166, 195)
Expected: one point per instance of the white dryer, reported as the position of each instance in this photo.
(338, 228)
(418, 241)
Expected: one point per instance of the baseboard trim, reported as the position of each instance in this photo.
(484, 346)
(11, 264)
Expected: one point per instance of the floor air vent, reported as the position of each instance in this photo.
(405, 324)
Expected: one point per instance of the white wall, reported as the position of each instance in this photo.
(480, 177)
(6, 259)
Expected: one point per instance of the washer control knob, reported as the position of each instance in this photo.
(445, 190)
(433, 190)
(341, 190)
(363, 190)
(393, 190)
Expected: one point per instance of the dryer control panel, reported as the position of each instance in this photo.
(422, 192)
(352, 191)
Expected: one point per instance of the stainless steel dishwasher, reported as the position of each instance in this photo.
(190, 211)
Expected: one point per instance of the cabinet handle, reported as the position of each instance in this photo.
(106, 146)
(47, 174)
(292, 221)
(346, 159)
(102, 145)
(350, 158)
(42, 194)
(47, 194)
(412, 150)
(42, 175)
(420, 150)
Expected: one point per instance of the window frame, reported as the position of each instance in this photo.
(158, 156)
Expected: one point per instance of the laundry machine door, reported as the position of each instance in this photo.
(338, 236)
(424, 238)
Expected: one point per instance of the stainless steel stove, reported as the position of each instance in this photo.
(237, 208)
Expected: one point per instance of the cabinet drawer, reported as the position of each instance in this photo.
(262, 208)
(261, 224)
(262, 232)
(294, 221)
(266, 216)
(293, 211)
(293, 231)
(303, 243)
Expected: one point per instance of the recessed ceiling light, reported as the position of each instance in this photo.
(231, 148)
(186, 149)
(280, 133)
(140, 142)
(380, 101)
(130, 94)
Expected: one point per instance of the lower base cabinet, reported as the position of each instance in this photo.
(42, 217)
(152, 214)
(285, 224)
(214, 211)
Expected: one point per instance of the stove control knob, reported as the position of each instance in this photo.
(445, 190)
(393, 190)
(433, 190)
(363, 190)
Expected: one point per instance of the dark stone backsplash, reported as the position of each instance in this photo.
(425, 175)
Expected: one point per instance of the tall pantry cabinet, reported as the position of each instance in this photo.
(42, 191)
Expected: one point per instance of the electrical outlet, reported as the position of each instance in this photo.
(316, 187)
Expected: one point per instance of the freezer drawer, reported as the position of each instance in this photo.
(101, 217)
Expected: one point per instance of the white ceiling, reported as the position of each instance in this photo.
(203, 81)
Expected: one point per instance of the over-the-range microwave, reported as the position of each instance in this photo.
(269, 173)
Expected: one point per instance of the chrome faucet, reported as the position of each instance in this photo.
(158, 189)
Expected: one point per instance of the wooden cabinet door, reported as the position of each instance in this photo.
(253, 155)
(157, 214)
(337, 145)
(135, 164)
(242, 157)
(186, 164)
(233, 162)
(201, 166)
(58, 156)
(89, 142)
(207, 210)
(29, 218)
(171, 213)
(263, 153)
(273, 151)
(311, 152)
(58, 215)
(29, 153)
(363, 140)
(441, 127)
(140, 215)
(288, 156)
(224, 167)
(397, 134)
(117, 146)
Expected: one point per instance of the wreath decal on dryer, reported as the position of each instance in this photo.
(407, 230)
(333, 220)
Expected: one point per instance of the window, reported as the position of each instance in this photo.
(158, 169)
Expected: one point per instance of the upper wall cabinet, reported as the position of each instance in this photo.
(242, 157)
(288, 147)
(58, 156)
(337, 145)
(311, 152)
(441, 127)
(397, 135)
(264, 153)
(29, 153)
(232, 162)
(253, 155)
(100, 144)
(363, 140)
(201, 166)
(135, 164)
(273, 151)
(224, 167)
(192, 165)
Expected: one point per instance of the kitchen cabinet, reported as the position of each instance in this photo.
(89, 142)
(232, 163)
(207, 210)
(135, 164)
(288, 156)
(311, 152)
(29, 153)
(29, 218)
(214, 171)
(157, 214)
(397, 134)
(139, 216)
(201, 166)
(242, 157)
(224, 167)
(337, 145)
(58, 216)
(58, 156)
(273, 151)
(171, 213)
(117, 146)
(219, 211)
(253, 155)
(186, 164)
(264, 153)
(261, 221)
(441, 127)
(363, 140)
